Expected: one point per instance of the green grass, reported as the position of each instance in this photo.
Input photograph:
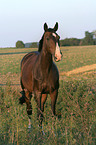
(75, 57)
(10, 59)
(75, 103)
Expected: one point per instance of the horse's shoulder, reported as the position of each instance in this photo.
(28, 56)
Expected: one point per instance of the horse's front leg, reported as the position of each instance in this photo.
(53, 96)
(43, 100)
(39, 111)
(40, 99)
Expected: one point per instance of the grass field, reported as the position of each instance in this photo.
(76, 101)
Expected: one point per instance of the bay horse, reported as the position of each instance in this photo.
(39, 74)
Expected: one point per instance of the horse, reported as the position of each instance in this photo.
(39, 74)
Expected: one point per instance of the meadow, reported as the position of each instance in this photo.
(76, 101)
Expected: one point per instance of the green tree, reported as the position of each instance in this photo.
(70, 42)
(20, 44)
(88, 40)
(94, 34)
(34, 45)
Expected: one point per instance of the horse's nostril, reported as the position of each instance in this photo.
(61, 54)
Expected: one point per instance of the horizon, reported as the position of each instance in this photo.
(24, 19)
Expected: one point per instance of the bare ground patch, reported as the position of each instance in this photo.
(80, 70)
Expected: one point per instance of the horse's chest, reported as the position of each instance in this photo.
(46, 87)
(44, 84)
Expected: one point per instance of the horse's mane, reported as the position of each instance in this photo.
(41, 43)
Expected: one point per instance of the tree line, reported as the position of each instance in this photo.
(89, 39)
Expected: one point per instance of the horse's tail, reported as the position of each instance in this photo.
(22, 99)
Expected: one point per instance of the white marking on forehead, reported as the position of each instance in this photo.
(54, 34)
(57, 47)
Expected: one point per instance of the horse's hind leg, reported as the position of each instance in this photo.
(29, 106)
(53, 96)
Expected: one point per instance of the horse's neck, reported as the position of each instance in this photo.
(45, 61)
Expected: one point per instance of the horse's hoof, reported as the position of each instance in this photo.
(29, 126)
(43, 133)
(41, 130)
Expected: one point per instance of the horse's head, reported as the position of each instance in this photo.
(51, 41)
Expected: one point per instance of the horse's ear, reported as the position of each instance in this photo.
(56, 27)
(45, 27)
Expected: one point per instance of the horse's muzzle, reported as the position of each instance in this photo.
(58, 56)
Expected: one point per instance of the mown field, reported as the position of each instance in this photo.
(76, 101)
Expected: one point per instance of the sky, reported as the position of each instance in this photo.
(24, 19)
